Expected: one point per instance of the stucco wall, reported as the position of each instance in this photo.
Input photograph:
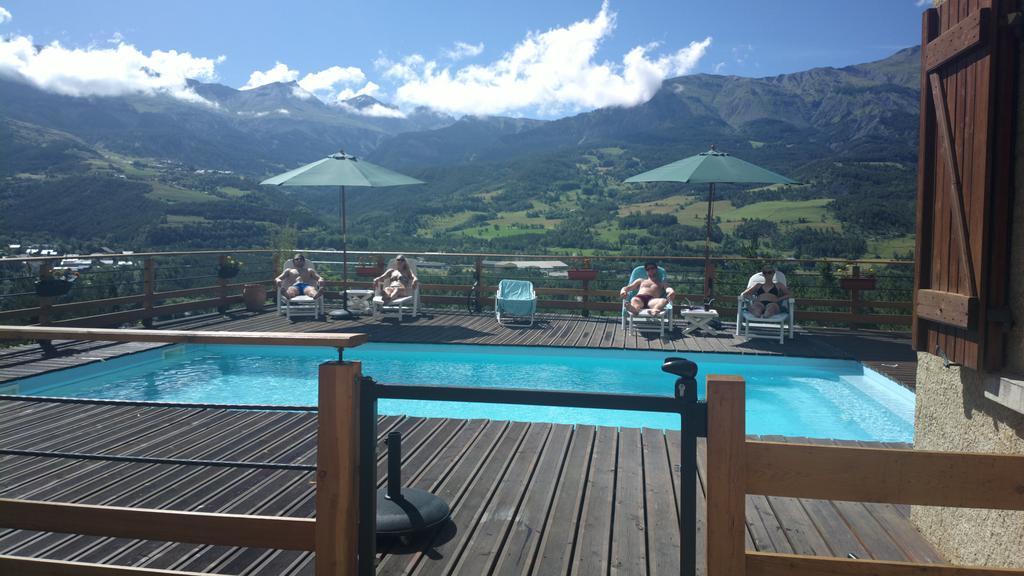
(953, 414)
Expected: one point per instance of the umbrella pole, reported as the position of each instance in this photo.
(344, 253)
(709, 287)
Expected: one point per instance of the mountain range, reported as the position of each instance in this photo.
(822, 127)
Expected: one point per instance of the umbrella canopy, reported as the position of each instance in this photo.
(341, 170)
(711, 167)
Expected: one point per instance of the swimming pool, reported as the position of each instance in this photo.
(787, 396)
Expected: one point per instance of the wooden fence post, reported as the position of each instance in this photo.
(726, 475)
(148, 286)
(44, 302)
(222, 294)
(854, 298)
(478, 272)
(337, 486)
(709, 279)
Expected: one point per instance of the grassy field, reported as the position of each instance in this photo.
(183, 219)
(232, 191)
(173, 194)
(891, 247)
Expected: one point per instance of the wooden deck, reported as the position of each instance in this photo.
(526, 498)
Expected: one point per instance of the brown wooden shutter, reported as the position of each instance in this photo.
(965, 167)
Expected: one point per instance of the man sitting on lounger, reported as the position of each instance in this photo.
(300, 280)
(652, 295)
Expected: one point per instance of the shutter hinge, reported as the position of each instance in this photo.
(1015, 22)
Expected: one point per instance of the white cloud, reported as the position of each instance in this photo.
(279, 73)
(719, 67)
(553, 72)
(325, 80)
(377, 110)
(5, 15)
(923, 2)
(104, 71)
(337, 83)
(464, 50)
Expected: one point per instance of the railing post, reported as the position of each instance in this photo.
(45, 271)
(726, 475)
(854, 298)
(149, 286)
(222, 294)
(709, 279)
(337, 468)
(478, 271)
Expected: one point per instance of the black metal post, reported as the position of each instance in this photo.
(693, 423)
(367, 476)
(344, 252)
(687, 390)
(394, 465)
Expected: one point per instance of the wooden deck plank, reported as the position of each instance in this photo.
(516, 555)
(629, 541)
(563, 520)
(662, 509)
(495, 520)
(592, 550)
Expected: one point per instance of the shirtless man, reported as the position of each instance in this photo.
(651, 293)
(300, 279)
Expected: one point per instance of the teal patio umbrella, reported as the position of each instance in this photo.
(341, 169)
(711, 167)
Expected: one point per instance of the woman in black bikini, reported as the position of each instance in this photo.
(769, 297)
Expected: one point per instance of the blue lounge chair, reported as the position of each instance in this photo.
(515, 300)
(645, 321)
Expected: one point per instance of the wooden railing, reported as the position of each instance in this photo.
(167, 284)
(333, 535)
(736, 467)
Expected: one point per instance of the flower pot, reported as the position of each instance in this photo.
(255, 297)
(865, 283)
(372, 271)
(52, 288)
(582, 274)
(227, 273)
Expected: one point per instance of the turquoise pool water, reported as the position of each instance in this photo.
(788, 396)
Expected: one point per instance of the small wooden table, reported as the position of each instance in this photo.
(697, 319)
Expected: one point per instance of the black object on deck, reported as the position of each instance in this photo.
(694, 423)
(405, 511)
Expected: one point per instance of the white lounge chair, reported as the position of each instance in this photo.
(399, 307)
(301, 305)
(782, 321)
(645, 320)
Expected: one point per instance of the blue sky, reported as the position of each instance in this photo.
(524, 58)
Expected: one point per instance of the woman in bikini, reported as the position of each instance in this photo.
(769, 297)
(396, 282)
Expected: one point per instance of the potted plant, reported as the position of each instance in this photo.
(584, 273)
(850, 279)
(53, 283)
(369, 269)
(229, 267)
